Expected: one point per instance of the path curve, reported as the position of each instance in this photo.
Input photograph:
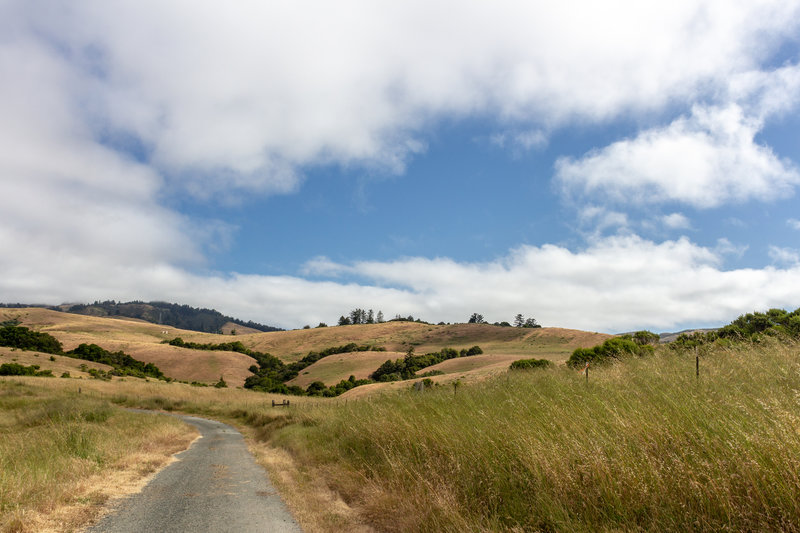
(215, 485)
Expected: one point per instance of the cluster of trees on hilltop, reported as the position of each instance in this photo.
(519, 321)
(175, 315)
(360, 316)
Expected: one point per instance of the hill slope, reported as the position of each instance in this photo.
(143, 341)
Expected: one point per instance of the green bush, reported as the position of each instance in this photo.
(16, 369)
(613, 348)
(26, 339)
(530, 364)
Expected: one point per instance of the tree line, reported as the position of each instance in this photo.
(175, 315)
(368, 316)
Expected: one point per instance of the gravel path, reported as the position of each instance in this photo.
(215, 486)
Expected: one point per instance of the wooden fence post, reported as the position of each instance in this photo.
(696, 363)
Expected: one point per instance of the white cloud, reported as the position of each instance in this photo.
(66, 198)
(238, 96)
(705, 160)
(767, 93)
(785, 256)
(793, 223)
(599, 219)
(617, 284)
(519, 141)
(676, 221)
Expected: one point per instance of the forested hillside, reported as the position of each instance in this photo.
(176, 315)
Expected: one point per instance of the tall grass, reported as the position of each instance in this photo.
(53, 440)
(643, 446)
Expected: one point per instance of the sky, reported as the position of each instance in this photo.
(607, 166)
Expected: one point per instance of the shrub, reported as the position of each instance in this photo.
(530, 364)
(16, 369)
(26, 339)
(613, 348)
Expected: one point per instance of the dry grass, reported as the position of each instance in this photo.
(59, 366)
(334, 368)
(317, 507)
(644, 447)
(64, 454)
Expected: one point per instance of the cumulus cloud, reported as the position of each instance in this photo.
(70, 206)
(243, 95)
(676, 221)
(793, 223)
(706, 159)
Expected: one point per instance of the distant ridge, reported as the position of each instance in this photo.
(175, 315)
(669, 337)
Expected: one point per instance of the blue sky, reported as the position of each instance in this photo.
(608, 168)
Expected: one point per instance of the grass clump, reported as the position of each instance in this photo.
(645, 445)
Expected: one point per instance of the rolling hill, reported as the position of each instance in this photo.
(143, 340)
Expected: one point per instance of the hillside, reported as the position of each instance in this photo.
(143, 340)
(175, 315)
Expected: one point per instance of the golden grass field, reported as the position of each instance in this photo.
(334, 368)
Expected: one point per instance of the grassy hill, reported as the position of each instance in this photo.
(60, 365)
(143, 341)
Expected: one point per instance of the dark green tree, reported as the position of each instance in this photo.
(476, 319)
